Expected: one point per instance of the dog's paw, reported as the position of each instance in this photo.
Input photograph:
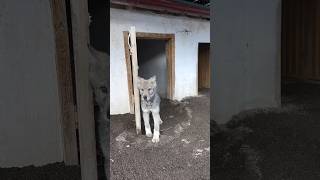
(161, 121)
(155, 139)
(149, 134)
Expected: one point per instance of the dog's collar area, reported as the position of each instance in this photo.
(150, 101)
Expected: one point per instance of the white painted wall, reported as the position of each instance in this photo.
(30, 131)
(186, 51)
(152, 61)
(246, 56)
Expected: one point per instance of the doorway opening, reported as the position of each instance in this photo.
(203, 68)
(152, 62)
(300, 50)
(300, 40)
(155, 53)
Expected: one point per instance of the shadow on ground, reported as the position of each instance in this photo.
(272, 144)
(183, 150)
(48, 172)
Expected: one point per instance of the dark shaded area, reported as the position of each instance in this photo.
(100, 26)
(152, 61)
(99, 38)
(56, 171)
(276, 143)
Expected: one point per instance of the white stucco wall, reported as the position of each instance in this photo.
(246, 56)
(186, 51)
(30, 132)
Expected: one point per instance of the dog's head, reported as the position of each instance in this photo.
(147, 87)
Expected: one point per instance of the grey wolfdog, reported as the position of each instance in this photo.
(150, 102)
(99, 81)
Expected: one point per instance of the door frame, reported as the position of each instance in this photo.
(79, 114)
(170, 59)
(209, 44)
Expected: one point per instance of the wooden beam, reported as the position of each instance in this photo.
(80, 30)
(64, 73)
(135, 68)
(129, 72)
(154, 36)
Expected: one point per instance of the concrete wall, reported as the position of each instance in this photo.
(245, 56)
(152, 61)
(30, 131)
(186, 51)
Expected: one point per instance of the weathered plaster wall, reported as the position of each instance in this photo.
(186, 51)
(152, 62)
(30, 131)
(245, 56)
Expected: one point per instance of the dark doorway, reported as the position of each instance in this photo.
(203, 67)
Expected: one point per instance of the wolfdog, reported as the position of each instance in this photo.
(99, 81)
(150, 102)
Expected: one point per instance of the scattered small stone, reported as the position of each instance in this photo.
(122, 137)
(185, 141)
(128, 146)
(197, 153)
(185, 124)
(199, 150)
(111, 160)
(171, 116)
(207, 149)
(178, 129)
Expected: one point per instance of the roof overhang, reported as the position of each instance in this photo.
(167, 6)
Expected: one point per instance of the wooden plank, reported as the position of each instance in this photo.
(290, 41)
(170, 64)
(129, 72)
(172, 67)
(135, 67)
(154, 36)
(312, 38)
(203, 67)
(64, 72)
(317, 40)
(80, 31)
(297, 35)
(284, 38)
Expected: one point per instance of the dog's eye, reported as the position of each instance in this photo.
(149, 89)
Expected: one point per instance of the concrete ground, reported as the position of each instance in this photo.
(183, 150)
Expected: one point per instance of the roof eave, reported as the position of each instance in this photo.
(166, 6)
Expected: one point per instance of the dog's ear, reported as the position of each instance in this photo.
(153, 80)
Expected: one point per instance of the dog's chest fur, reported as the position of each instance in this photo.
(152, 104)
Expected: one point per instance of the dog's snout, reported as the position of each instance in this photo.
(145, 97)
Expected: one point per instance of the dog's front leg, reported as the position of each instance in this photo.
(147, 124)
(156, 130)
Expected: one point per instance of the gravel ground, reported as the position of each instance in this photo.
(281, 143)
(183, 151)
